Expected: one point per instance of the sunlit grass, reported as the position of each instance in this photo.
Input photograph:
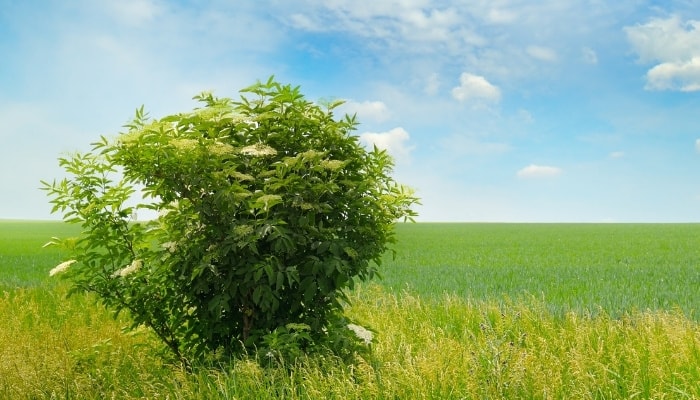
(459, 349)
(449, 349)
(435, 337)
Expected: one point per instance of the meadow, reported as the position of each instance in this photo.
(614, 268)
(464, 311)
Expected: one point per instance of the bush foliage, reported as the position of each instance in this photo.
(268, 209)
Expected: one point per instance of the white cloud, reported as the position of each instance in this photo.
(683, 76)
(697, 145)
(475, 87)
(674, 47)
(617, 154)
(667, 39)
(542, 53)
(488, 37)
(393, 141)
(400, 22)
(367, 110)
(539, 171)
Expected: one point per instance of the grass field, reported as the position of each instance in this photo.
(613, 267)
(464, 311)
(23, 261)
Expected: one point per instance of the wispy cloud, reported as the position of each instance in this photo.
(539, 171)
(134, 12)
(505, 38)
(501, 16)
(542, 53)
(387, 21)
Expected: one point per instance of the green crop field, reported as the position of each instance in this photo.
(23, 261)
(580, 267)
(464, 311)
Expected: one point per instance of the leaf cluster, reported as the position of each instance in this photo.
(268, 210)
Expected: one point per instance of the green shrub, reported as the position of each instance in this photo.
(268, 210)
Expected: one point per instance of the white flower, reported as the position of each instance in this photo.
(61, 267)
(135, 265)
(184, 145)
(170, 246)
(362, 333)
(220, 149)
(332, 164)
(258, 150)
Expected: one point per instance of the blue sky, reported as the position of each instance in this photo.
(495, 110)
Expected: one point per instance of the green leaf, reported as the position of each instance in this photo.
(309, 289)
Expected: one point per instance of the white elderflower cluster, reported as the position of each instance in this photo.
(258, 150)
(61, 267)
(362, 333)
(184, 145)
(220, 149)
(129, 269)
(170, 246)
(332, 165)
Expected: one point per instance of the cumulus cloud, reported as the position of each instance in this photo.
(683, 76)
(367, 110)
(539, 171)
(542, 53)
(394, 141)
(475, 87)
(674, 47)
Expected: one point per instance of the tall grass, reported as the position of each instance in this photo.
(452, 349)
(433, 340)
